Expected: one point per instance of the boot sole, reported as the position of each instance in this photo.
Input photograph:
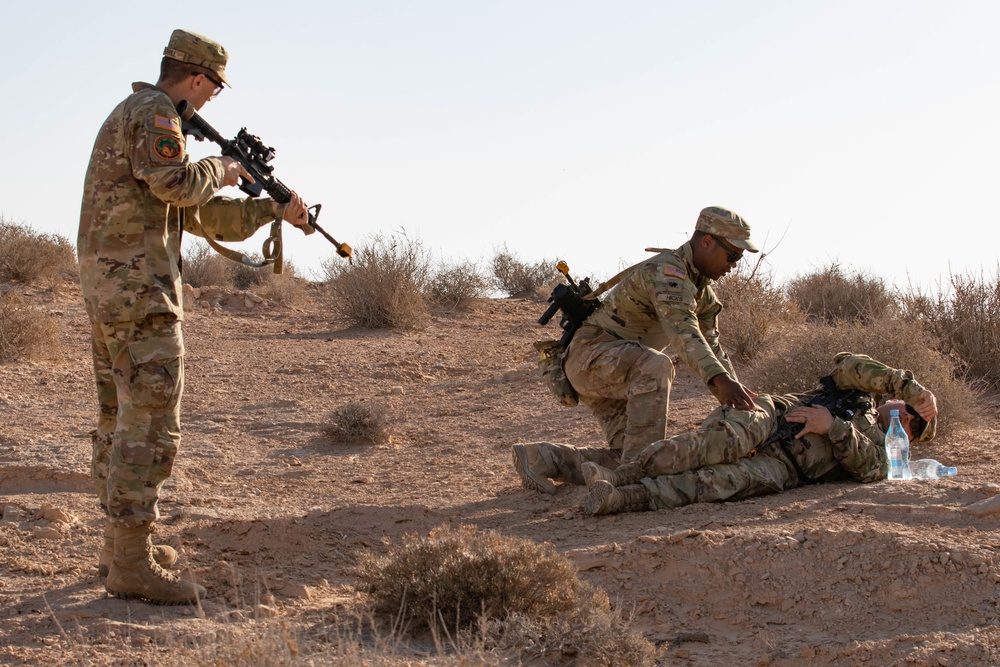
(530, 480)
(145, 598)
(597, 497)
(590, 473)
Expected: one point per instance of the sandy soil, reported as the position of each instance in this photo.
(269, 513)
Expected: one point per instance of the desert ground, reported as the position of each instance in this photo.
(269, 513)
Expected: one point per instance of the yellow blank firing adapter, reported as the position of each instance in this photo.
(562, 267)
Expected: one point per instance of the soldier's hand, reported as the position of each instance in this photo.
(816, 418)
(295, 211)
(232, 172)
(732, 393)
(926, 405)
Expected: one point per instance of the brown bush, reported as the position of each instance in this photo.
(203, 267)
(27, 256)
(966, 320)
(513, 277)
(830, 295)
(384, 286)
(801, 355)
(754, 311)
(452, 578)
(456, 285)
(359, 421)
(25, 331)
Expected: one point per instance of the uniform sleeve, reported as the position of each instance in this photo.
(859, 371)
(228, 219)
(675, 298)
(864, 460)
(157, 150)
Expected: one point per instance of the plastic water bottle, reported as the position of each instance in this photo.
(897, 446)
(931, 469)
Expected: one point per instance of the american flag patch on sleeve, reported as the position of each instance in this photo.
(674, 272)
(165, 123)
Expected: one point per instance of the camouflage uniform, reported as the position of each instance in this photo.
(616, 361)
(141, 191)
(712, 464)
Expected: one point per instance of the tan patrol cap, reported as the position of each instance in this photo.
(195, 49)
(725, 224)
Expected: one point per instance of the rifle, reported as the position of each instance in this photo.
(250, 152)
(572, 301)
(842, 403)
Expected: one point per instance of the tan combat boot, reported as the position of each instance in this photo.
(164, 555)
(602, 498)
(533, 469)
(134, 575)
(623, 475)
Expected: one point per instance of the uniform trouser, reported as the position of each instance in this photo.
(139, 369)
(625, 384)
(726, 436)
(710, 464)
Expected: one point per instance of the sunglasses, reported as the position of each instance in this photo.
(733, 255)
(218, 85)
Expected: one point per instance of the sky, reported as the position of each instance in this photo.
(861, 133)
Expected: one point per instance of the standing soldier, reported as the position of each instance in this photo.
(616, 360)
(140, 192)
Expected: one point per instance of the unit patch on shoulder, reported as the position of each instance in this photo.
(165, 123)
(167, 147)
(674, 272)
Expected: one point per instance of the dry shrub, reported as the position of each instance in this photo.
(360, 421)
(25, 331)
(27, 256)
(384, 286)
(754, 310)
(522, 598)
(285, 288)
(515, 278)
(203, 267)
(966, 321)
(795, 362)
(830, 295)
(455, 285)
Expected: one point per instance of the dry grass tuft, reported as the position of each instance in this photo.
(203, 267)
(454, 577)
(502, 594)
(384, 286)
(360, 421)
(25, 331)
(755, 311)
(514, 278)
(456, 285)
(966, 320)
(831, 295)
(27, 256)
(796, 361)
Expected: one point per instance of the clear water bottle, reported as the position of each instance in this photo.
(897, 446)
(931, 469)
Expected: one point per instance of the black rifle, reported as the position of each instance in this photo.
(250, 152)
(842, 403)
(569, 299)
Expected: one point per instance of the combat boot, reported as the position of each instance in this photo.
(534, 469)
(164, 555)
(602, 498)
(134, 575)
(623, 475)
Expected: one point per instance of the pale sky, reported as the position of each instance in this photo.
(861, 132)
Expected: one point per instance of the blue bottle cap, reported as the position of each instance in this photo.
(893, 413)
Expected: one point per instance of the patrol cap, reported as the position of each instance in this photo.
(195, 49)
(725, 224)
(927, 429)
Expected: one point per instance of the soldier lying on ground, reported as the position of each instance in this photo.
(734, 454)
